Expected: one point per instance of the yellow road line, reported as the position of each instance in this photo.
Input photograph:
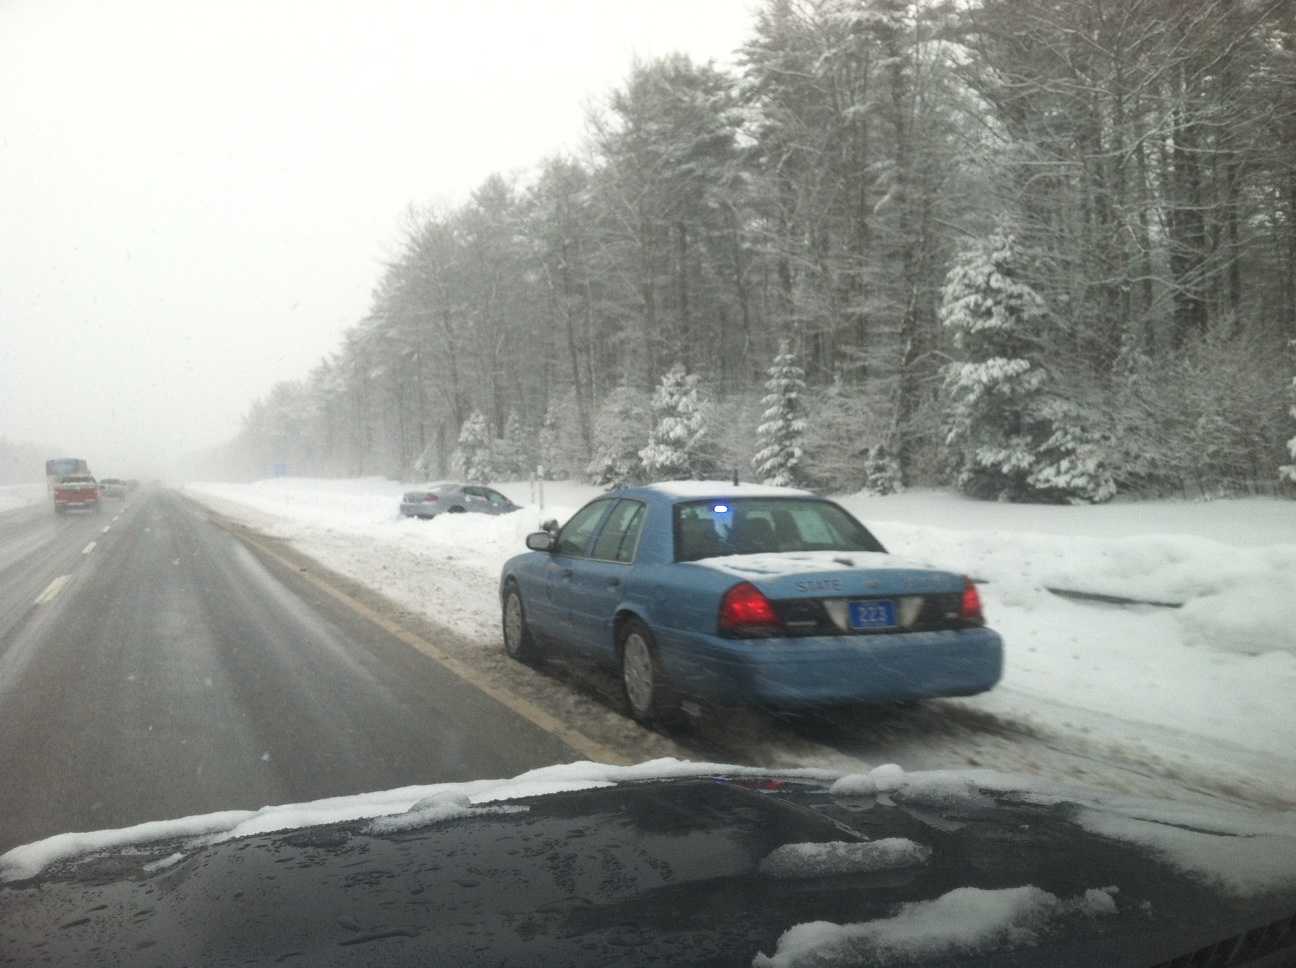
(528, 710)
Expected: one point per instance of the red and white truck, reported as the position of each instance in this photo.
(76, 492)
(71, 484)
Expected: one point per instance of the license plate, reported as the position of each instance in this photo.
(872, 615)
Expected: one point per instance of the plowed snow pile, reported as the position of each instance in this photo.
(14, 496)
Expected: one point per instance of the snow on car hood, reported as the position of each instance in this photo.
(960, 923)
(1243, 852)
(201, 830)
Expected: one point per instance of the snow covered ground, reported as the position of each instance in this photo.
(1220, 671)
(14, 496)
(1203, 691)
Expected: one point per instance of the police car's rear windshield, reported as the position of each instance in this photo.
(753, 526)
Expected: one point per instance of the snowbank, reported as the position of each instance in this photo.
(1205, 687)
(369, 508)
(14, 496)
(1238, 595)
(1239, 522)
(447, 567)
(1222, 667)
(1230, 564)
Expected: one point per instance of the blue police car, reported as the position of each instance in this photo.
(744, 594)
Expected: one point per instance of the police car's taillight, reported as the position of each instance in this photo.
(745, 611)
(970, 607)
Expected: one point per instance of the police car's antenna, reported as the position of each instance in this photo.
(735, 477)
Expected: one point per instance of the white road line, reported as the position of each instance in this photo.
(88, 548)
(52, 589)
(107, 528)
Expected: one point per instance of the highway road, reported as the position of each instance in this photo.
(152, 665)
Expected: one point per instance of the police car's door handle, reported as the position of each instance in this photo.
(614, 583)
(566, 573)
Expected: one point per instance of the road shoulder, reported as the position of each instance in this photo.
(553, 706)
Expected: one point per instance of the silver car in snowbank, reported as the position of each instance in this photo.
(444, 497)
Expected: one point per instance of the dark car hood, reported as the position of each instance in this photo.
(680, 871)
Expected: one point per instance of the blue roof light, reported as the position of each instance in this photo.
(720, 508)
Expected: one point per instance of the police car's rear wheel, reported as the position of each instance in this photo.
(648, 695)
(519, 643)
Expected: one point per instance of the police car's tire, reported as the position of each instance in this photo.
(648, 694)
(519, 643)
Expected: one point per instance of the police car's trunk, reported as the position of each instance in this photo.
(852, 593)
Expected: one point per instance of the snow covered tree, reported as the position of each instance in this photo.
(473, 456)
(1074, 463)
(678, 448)
(425, 464)
(1013, 438)
(849, 420)
(882, 471)
(733, 420)
(564, 450)
(780, 434)
(672, 177)
(619, 429)
(995, 317)
(1288, 471)
(515, 458)
(822, 189)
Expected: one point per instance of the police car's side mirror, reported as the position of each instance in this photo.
(540, 541)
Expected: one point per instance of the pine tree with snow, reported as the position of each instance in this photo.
(678, 447)
(779, 436)
(995, 316)
(881, 472)
(472, 458)
(619, 430)
(1074, 463)
(516, 457)
(1288, 471)
(1011, 436)
(426, 461)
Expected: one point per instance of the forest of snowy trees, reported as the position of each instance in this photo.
(1036, 249)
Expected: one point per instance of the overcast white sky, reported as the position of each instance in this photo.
(195, 198)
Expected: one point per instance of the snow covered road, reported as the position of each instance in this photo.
(1142, 699)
